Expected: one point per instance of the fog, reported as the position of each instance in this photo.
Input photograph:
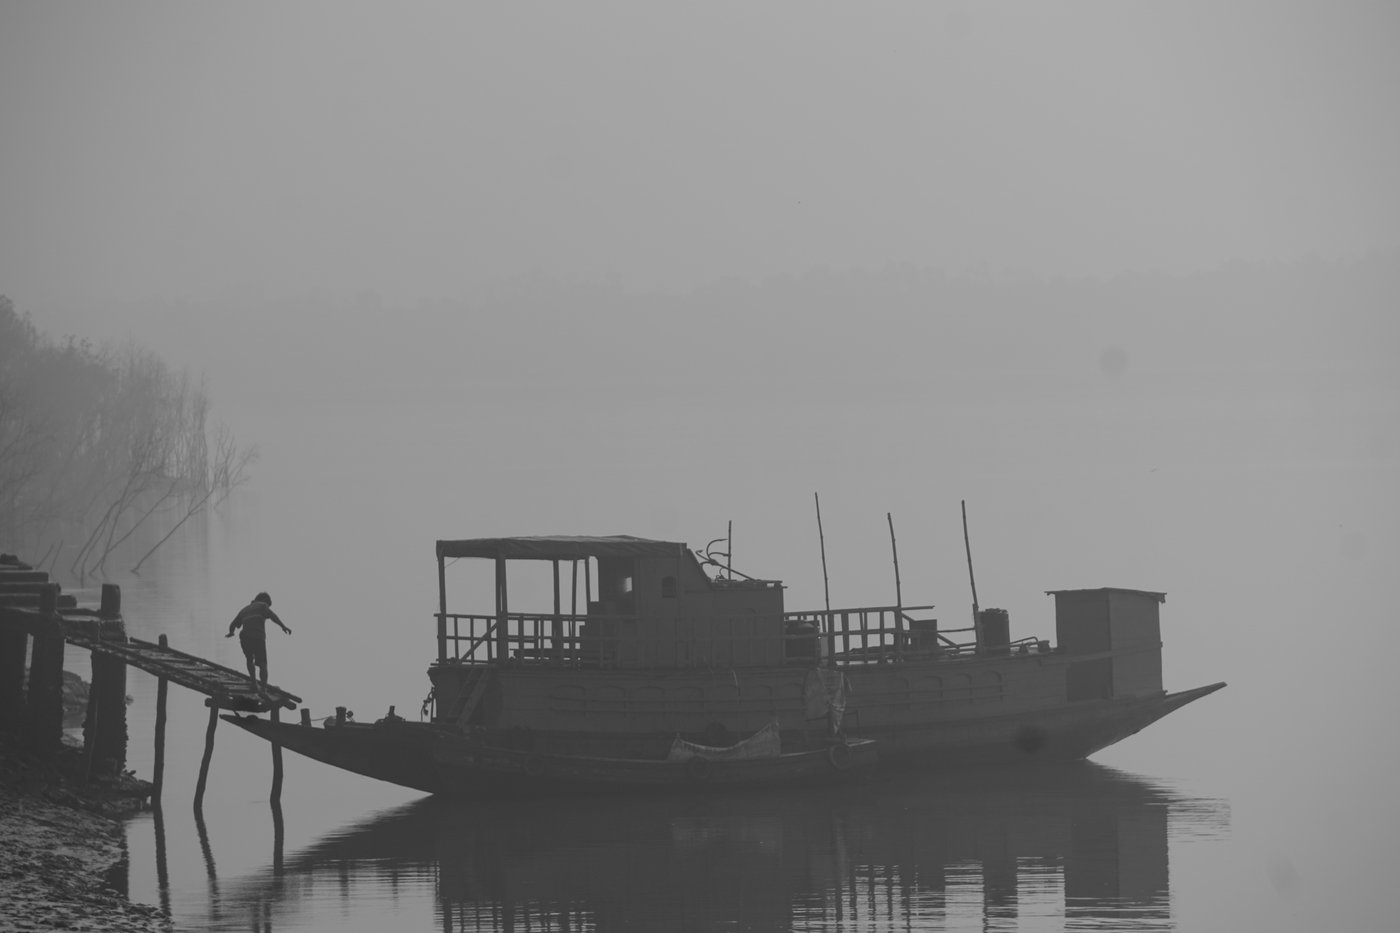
(1123, 277)
(167, 151)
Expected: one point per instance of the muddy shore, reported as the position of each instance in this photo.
(63, 854)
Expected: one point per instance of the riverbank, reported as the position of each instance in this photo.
(63, 858)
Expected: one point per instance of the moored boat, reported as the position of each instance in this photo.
(643, 643)
(649, 642)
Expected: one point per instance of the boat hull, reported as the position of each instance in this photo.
(973, 711)
(440, 761)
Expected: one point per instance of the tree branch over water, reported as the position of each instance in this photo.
(103, 445)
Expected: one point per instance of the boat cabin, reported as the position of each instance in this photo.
(1114, 638)
(645, 603)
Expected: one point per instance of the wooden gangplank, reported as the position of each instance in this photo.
(228, 688)
(31, 610)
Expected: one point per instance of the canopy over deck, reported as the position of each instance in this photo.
(559, 547)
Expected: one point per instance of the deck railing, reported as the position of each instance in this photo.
(616, 640)
(867, 635)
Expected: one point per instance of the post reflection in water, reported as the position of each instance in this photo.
(1082, 845)
(278, 837)
(162, 862)
(208, 851)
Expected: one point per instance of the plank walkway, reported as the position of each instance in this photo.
(228, 688)
(37, 622)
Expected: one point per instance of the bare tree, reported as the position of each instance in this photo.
(102, 445)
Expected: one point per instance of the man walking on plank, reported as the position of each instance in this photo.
(252, 618)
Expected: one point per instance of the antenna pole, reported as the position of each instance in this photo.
(898, 595)
(968, 545)
(826, 583)
(894, 549)
(729, 551)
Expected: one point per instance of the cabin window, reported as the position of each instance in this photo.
(668, 587)
(626, 586)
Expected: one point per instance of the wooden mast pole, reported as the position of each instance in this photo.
(894, 549)
(967, 544)
(898, 593)
(826, 581)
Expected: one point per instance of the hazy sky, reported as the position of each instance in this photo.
(200, 151)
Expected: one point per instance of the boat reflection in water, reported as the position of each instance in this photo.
(1079, 844)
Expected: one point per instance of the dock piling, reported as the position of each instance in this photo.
(90, 725)
(158, 767)
(208, 754)
(276, 798)
(45, 703)
(105, 733)
(14, 650)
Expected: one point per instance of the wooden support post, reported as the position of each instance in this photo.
(45, 706)
(90, 721)
(276, 798)
(571, 630)
(158, 768)
(111, 607)
(104, 732)
(555, 625)
(502, 613)
(208, 754)
(14, 649)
